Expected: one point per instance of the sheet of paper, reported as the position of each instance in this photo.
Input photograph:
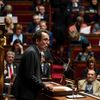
(75, 96)
(85, 30)
(62, 88)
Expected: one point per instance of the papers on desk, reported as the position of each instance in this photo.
(61, 88)
(85, 30)
(57, 89)
(75, 96)
(7, 84)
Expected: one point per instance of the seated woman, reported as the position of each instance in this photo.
(18, 35)
(9, 26)
(96, 28)
(17, 47)
(91, 66)
(85, 53)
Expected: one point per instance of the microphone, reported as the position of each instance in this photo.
(67, 66)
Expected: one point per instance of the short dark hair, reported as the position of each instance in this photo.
(17, 41)
(38, 35)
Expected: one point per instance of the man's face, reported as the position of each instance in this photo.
(94, 2)
(43, 25)
(42, 9)
(44, 42)
(91, 65)
(91, 76)
(10, 58)
(18, 31)
(36, 19)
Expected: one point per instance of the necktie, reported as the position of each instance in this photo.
(11, 72)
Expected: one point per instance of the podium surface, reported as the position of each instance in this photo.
(59, 92)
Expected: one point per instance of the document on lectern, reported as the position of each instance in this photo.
(58, 89)
(62, 88)
(75, 96)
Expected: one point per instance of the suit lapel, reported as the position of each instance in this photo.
(95, 86)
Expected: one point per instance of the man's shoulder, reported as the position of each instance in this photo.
(97, 82)
(30, 48)
(82, 80)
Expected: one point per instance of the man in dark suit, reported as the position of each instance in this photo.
(28, 80)
(34, 24)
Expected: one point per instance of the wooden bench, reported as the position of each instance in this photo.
(76, 49)
(79, 67)
(93, 38)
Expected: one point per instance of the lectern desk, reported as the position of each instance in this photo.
(61, 94)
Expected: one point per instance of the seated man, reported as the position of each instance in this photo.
(10, 69)
(96, 28)
(90, 84)
(85, 54)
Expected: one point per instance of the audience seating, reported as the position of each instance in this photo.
(79, 66)
(21, 5)
(76, 49)
(93, 38)
(56, 72)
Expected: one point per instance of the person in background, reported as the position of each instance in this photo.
(41, 11)
(73, 6)
(8, 9)
(91, 65)
(9, 25)
(1, 6)
(43, 25)
(85, 16)
(96, 28)
(78, 25)
(94, 4)
(90, 85)
(33, 25)
(28, 82)
(85, 54)
(76, 38)
(17, 48)
(18, 35)
(10, 69)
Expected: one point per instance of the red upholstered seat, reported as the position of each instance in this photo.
(57, 72)
(57, 75)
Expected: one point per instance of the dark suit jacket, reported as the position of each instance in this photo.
(31, 27)
(15, 68)
(28, 83)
